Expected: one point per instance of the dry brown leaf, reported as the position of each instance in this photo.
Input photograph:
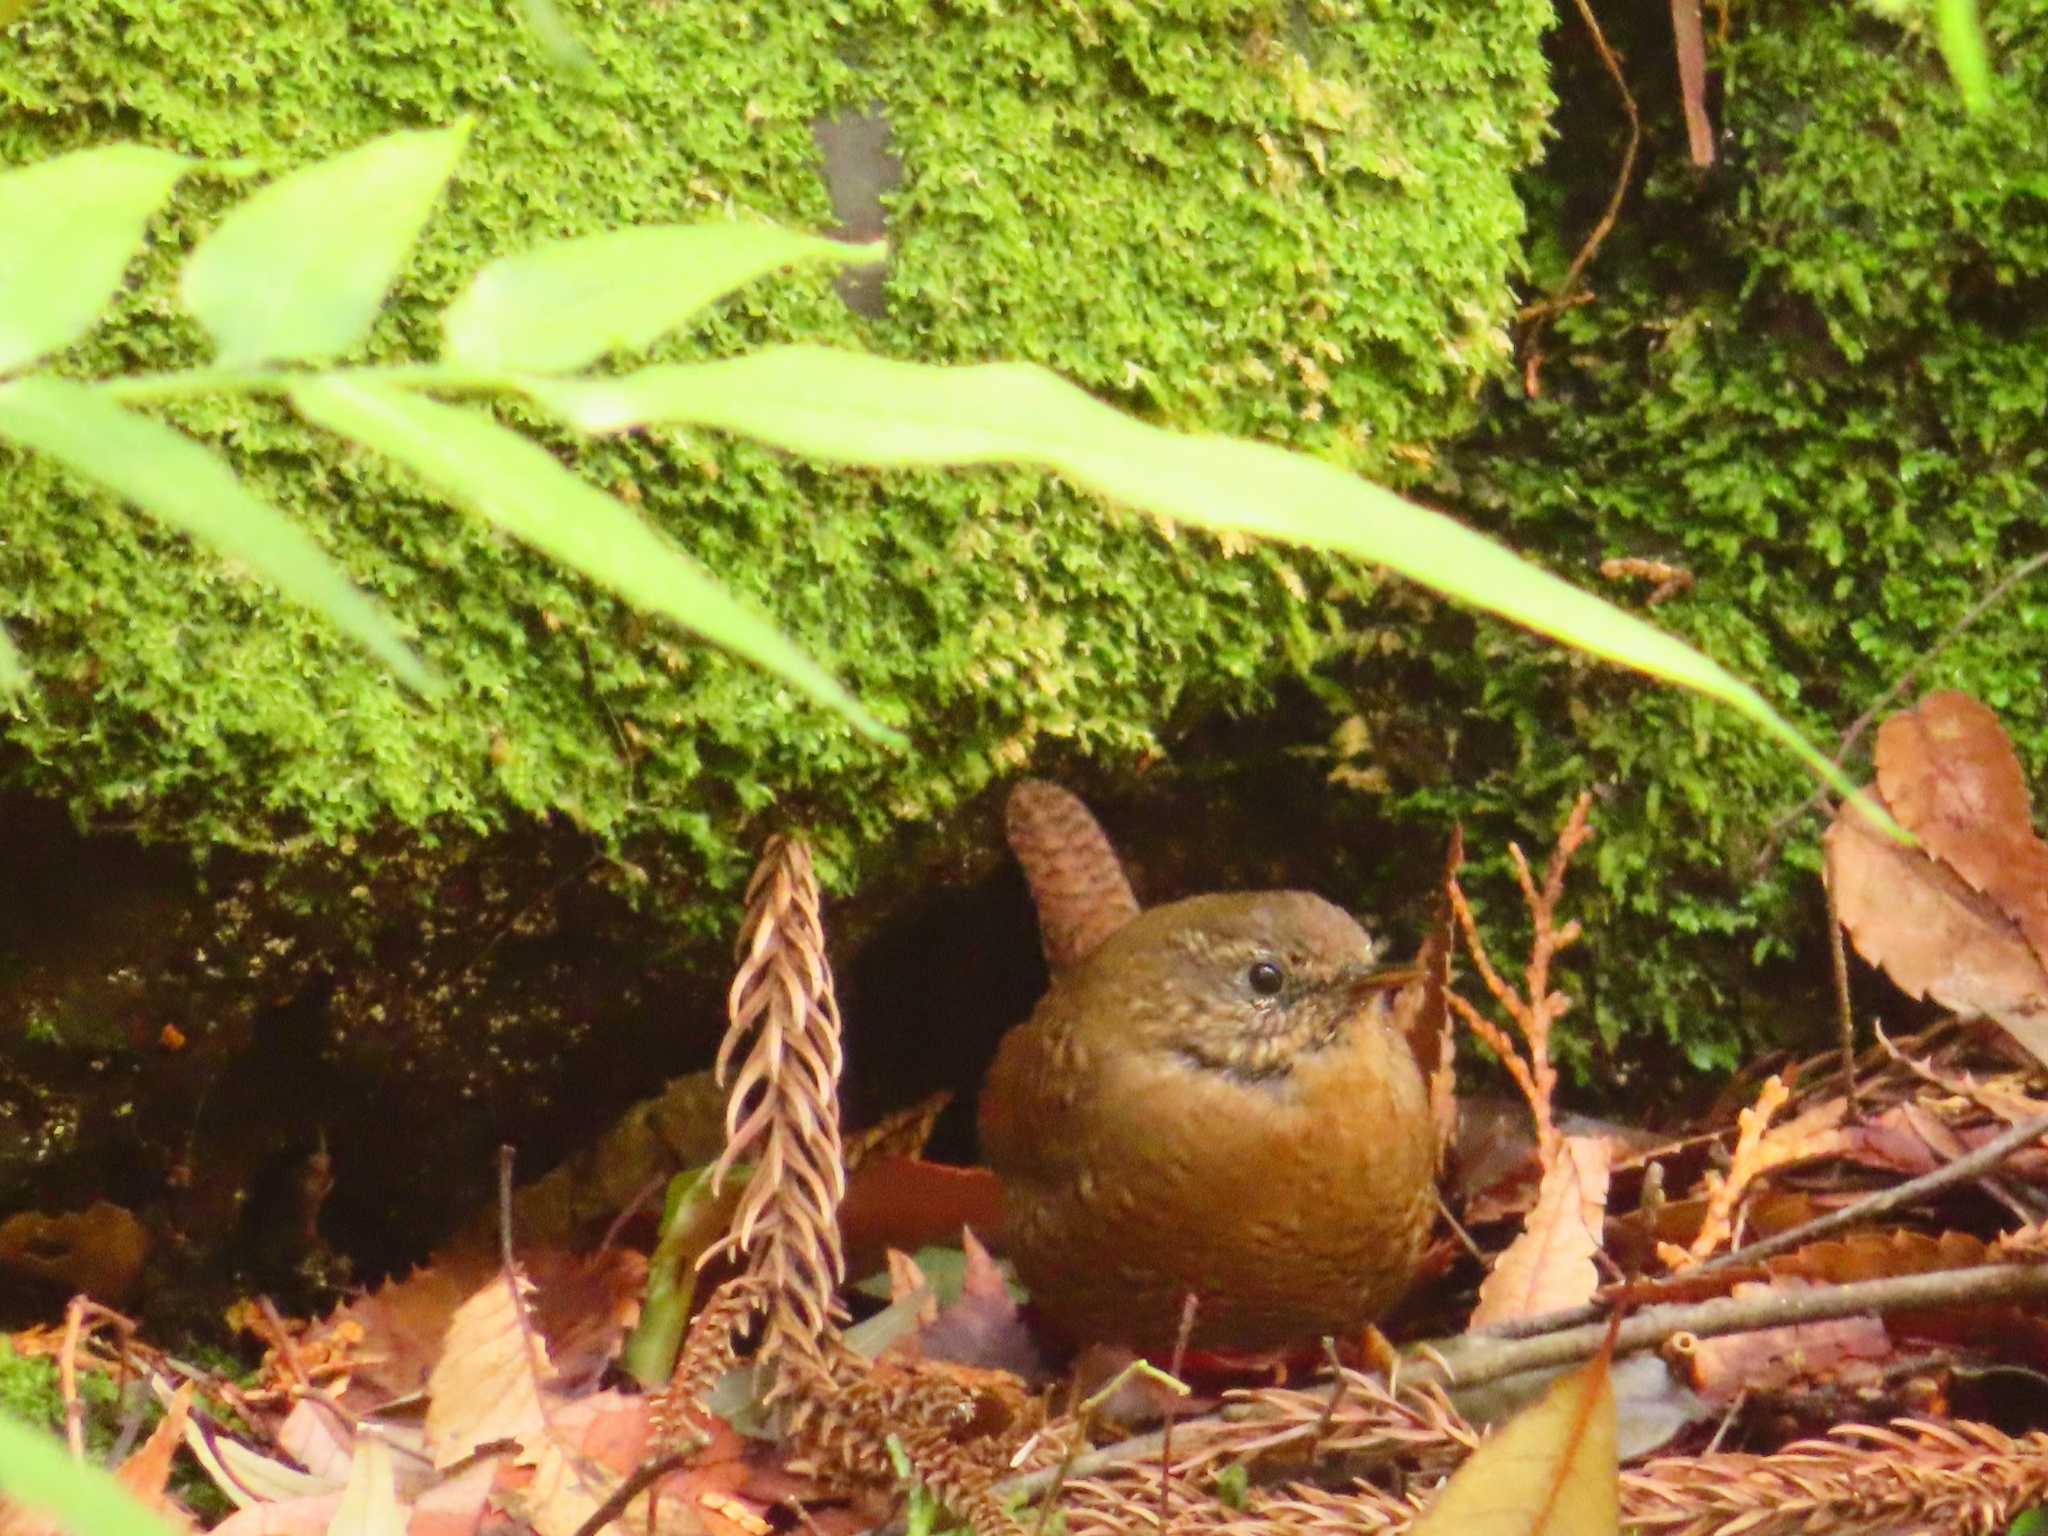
(1951, 777)
(307, 1516)
(320, 1440)
(148, 1468)
(909, 1203)
(1077, 881)
(487, 1384)
(1932, 934)
(455, 1506)
(1876, 1255)
(1550, 1265)
(781, 1057)
(1551, 1470)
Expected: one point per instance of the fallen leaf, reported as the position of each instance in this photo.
(487, 1384)
(369, 1504)
(984, 1326)
(1932, 934)
(1767, 1359)
(1949, 774)
(455, 1505)
(320, 1439)
(1552, 1470)
(908, 1203)
(1550, 1265)
(148, 1468)
(308, 1515)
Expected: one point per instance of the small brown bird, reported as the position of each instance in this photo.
(1218, 1098)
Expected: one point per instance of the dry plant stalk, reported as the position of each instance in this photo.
(783, 1116)
(1534, 1010)
(1862, 1480)
(1758, 1149)
(1907, 1479)
(837, 1411)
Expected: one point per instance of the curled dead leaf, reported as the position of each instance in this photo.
(1949, 774)
(1915, 918)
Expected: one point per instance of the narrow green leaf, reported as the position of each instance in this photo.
(1960, 35)
(13, 673)
(565, 305)
(35, 1469)
(68, 227)
(176, 480)
(472, 460)
(298, 271)
(850, 408)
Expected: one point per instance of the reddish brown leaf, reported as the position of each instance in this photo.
(908, 1203)
(1948, 772)
(1932, 934)
(1767, 1359)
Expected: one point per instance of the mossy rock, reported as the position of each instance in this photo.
(1296, 222)
(1814, 377)
(411, 930)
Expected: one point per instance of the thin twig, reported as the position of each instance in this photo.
(616, 1501)
(67, 1376)
(1473, 1360)
(1876, 1203)
(1540, 315)
(1180, 1354)
(1845, 1018)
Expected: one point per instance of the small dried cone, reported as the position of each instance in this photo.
(1077, 881)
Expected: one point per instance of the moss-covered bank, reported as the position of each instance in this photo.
(1815, 377)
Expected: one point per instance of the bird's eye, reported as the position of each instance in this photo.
(1266, 978)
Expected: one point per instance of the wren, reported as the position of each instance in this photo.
(1220, 1099)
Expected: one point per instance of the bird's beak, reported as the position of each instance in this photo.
(1364, 982)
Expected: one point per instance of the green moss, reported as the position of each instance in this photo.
(1295, 221)
(1815, 378)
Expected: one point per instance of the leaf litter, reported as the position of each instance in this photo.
(1814, 1384)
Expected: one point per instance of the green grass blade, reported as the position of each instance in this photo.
(1960, 35)
(565, 305)
(68, 227)
(299, 270)
(473, 461)
(35, 1470)
(854, 409)
(176, 480)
